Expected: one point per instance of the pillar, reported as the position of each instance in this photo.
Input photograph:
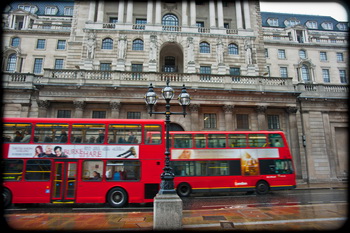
(43, 106)
(194, 108)
(220, 14)
(91, 17)
(228, 109)
(129, 11)
(100, 11)
(184, 13)
(158, 13)
(149, 12)
(115, 109)
(262, 124)
(193, 13)
(246, 15)
(212, 16)
(79, 108)
(239, 14)
(121, 11)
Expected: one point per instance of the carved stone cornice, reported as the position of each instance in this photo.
(79, 104)
(261, 109)
(115, 105)
(43, 104)
(228, 108)
(292, 110)
(194, 107)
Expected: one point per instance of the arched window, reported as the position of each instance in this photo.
(204, 47)
(232, 49)
(11, 63)
(305, 73)
(137, 44)
(170, 20)
(107, 43)
(15, 41)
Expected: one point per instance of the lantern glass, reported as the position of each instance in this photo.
(168, 93)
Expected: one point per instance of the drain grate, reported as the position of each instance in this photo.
(214, 218)
(227, 225)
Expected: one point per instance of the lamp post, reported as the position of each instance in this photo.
(167, 177)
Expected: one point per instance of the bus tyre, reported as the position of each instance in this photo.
(262, 187)
(7, 197)
(117, 197)
(183, 189)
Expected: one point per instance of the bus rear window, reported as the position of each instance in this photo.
(38, 170)
(51, 133)
(16, 132)
(12, 169)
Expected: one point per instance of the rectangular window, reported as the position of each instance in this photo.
(123, 170)
(50, 133)
(200, 140)
(273, 121)
(38, 170)
(237, 140)
(281, 54)
(12, 169)
(92, 170)
(205, 70)
(61, 44)
(88, 133)
(183, 168)
(323, 56)
(99, 114)
(216, 141)
(16, 132)
(153, 134)
(340, 57)
(284, 72)
(106, 66)
(278, 166)
(235, 71)
(242, 121)
(64, 114)
(209, 120)
(41, 44)
(257, 140)
(68, 11)
(113, 19)
(182, 140)
(218, 168)
(58, 64)
(325, 75)
(133, 115)
(38, 66)
(124, 134)
(342, 75)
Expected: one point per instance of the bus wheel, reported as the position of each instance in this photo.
(183, 189)
(7, 197)
(262, 187)
(117, 197)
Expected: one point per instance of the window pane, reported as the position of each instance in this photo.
(51, 133)
(92, 170)
(216, 140)
(12, 170)
(275, 140)
(153, 134)
(39, 170)
(237, 140)
(200, 140)
(218, 168)
(122, 170)
(210, 120)
(183, 168)
(183, 141)
(124, 134)
(201, 168)
(257, 140)
(16, 132)
(89, 133)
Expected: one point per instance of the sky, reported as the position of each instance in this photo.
(333, 9)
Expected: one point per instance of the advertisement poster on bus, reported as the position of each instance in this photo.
(74, 151)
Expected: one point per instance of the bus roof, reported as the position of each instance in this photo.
(227, 132)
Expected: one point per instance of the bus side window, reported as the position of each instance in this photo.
(38, 170)
(200, 140)
(237, 140)
(257, 140)
(12, 169)
(92, 170)
(117, 170)
(182, 140)
(51, 133)
(16, 132)
(216, 140)
(153, 134)
(276, 140)
(124, 134)
(88, 133)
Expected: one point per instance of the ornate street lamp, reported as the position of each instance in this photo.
(167, 177)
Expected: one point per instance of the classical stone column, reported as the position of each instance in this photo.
(220, 14)
(158, 13)
(79, 108)
(100, 11)
(261, 110)
(129, 11)
(149, 12)
(121, 11)
(194, 108)
(193, 13)
(184, 13)
(91, 17)
(239, 14)
(43, 106)
(246, 15)
(228, 109)
(115, 107)
(212, 16)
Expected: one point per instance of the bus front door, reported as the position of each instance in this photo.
(64, 183)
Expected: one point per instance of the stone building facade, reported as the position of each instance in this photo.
(95, 59)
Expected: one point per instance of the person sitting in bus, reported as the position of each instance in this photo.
(131, 138)
(101, 136)
(109, 174)
(63, 137)
(277, 143)
(18, 137)
(26, 137)
(116, 176)
(97, 176)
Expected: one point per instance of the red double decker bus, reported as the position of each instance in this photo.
(231, 161)
(48, 160)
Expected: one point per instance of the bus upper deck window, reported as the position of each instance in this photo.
(153, 134)
(216, 140)
(182, 140)
(124, 134)
(51, 133)
(88, 133)
(200, 140)
(237, 140)
(257, 140)
(276, 140)
(16, 132)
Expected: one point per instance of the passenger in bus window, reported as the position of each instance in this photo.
(63, 137)
(101, 136)
(18, 137)
(26, 137)
(277, 143)
(97, 176)
(131, 138)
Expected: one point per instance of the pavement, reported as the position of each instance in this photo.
(330, 216)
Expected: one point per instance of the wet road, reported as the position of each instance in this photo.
(204, 201)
